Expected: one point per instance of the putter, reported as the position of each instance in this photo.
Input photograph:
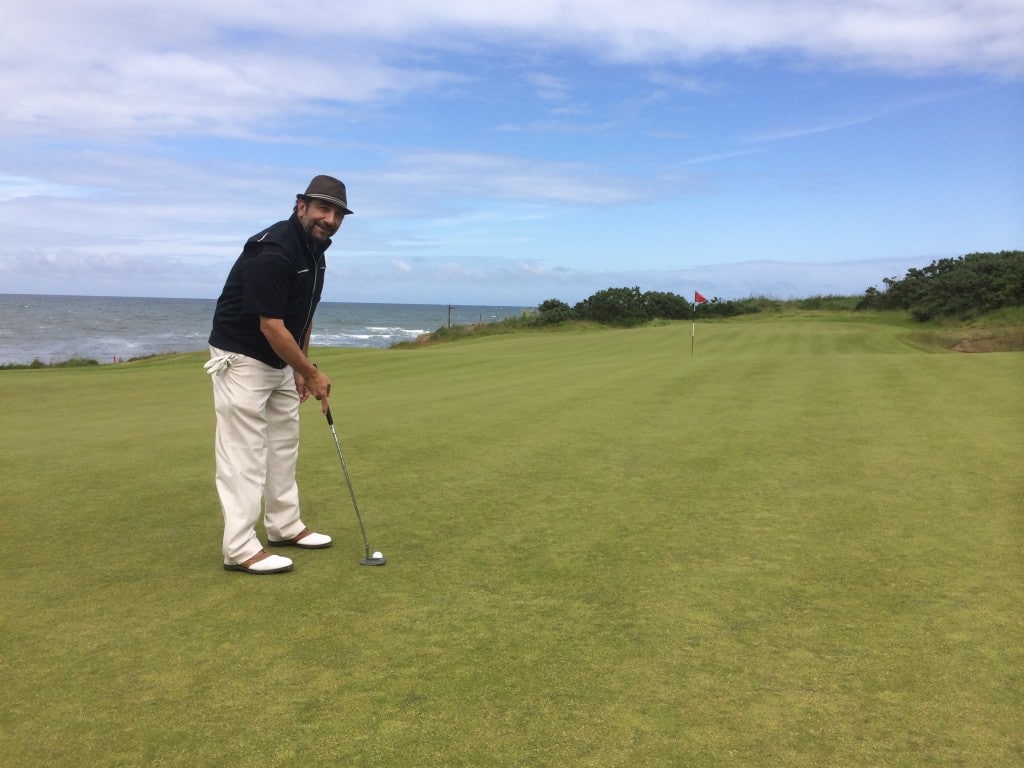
(344, 468)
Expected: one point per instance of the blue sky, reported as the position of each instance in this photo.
(511, 153)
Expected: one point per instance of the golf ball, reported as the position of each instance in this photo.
(377, 555)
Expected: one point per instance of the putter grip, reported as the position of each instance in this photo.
(330, 419)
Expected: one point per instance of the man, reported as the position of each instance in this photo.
(261, 372)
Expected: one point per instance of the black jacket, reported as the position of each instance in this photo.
(279, 274)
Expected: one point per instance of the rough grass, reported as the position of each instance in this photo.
(799, 546)
(1001, 331)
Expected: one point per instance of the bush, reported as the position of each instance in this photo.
(961, 288)
(668, 306)
(614, 306)
(552, 311)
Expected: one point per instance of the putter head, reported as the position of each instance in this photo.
(373, 561)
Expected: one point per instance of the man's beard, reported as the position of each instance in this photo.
(313, 229)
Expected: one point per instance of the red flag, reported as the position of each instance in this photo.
(698, 299)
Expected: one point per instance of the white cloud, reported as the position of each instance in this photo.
(533, 269)
(159, 136)
(22, 187)
(226, 67)
(450, 177)
(529, 283)
(549, 87)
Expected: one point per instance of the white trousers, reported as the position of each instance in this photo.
(257, 448)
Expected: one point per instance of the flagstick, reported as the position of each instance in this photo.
(693, 329)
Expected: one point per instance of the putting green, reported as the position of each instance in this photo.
(799, 546)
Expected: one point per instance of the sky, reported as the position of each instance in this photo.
(507, 153)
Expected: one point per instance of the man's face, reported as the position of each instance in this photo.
(319, 218)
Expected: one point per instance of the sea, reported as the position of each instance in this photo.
(53, 329)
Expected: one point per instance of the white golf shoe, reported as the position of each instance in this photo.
(306, 539)
(261, 563)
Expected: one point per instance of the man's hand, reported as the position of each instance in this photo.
(301, 388)
(319, 386)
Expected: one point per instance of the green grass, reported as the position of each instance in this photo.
(800, 546)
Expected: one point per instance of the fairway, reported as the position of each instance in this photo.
(801, 545)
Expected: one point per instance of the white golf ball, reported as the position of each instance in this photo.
(377, 555)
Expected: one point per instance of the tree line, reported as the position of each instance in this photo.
(963, 287)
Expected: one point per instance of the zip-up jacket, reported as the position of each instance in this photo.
(279, 274)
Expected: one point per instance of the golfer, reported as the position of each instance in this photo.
(261, 372)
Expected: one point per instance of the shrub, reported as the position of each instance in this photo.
(614, 306)
(668, 306)
(552, 311)
(963, 287)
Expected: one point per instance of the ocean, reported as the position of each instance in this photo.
(56, 328)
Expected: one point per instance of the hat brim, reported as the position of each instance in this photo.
(332, 200)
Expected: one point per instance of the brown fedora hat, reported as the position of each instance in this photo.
(328, 189)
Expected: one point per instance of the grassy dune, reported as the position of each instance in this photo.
(800, 546)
